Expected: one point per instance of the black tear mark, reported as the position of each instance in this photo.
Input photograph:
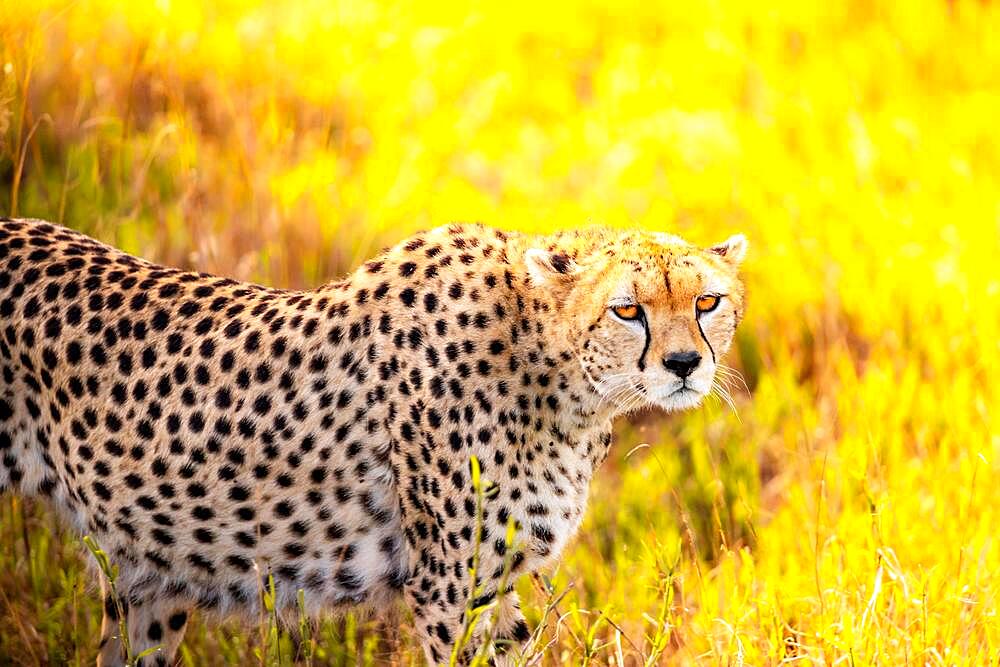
(645, 348)
(704, 338)
(666, 279)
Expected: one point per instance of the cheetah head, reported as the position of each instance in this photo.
(649, 315)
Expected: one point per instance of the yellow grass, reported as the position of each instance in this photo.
(847, 514)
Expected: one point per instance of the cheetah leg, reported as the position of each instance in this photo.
(510, 631)
(158, 624)
(437, 588)
(437, 624)
(440, 626)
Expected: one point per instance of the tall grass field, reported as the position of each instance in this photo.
(844, 511)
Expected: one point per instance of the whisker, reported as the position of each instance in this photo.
(734, 374)
(723, 393)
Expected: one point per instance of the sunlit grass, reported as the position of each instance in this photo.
(846, 515)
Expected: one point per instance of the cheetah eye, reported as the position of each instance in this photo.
(706, 303)
(627, 312)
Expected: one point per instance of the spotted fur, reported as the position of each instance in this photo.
(207, 432)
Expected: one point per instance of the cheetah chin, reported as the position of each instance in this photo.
(210, 434)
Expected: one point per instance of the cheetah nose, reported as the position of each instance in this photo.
(682, 364)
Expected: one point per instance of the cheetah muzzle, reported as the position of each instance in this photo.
(207, 433)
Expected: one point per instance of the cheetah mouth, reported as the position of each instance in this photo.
(680, 398)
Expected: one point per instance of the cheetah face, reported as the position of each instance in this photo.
(652, 316)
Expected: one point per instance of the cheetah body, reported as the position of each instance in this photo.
(208, 433)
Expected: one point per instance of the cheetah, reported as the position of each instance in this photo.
(208, 433)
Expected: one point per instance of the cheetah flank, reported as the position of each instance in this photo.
(208, 432)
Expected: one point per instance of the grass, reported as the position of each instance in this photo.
(845, 514)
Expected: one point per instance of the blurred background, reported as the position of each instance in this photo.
(845, 513)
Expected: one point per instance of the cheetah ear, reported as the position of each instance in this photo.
(547, 268)
(733, 249)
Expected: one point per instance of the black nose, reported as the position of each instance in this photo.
(682, 364)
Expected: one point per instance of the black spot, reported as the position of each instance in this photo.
(442, 632)
(520, 631)
(176, 621)
(159, 320)
(162, 536)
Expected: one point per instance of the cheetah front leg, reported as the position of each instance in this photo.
(152, 624)
(510, 631)
(441, 628)
(438, 592)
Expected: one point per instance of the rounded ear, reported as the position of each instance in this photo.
(733, 249)
(546, 268)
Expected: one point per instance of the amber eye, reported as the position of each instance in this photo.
(629, 312)
(706, 303)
